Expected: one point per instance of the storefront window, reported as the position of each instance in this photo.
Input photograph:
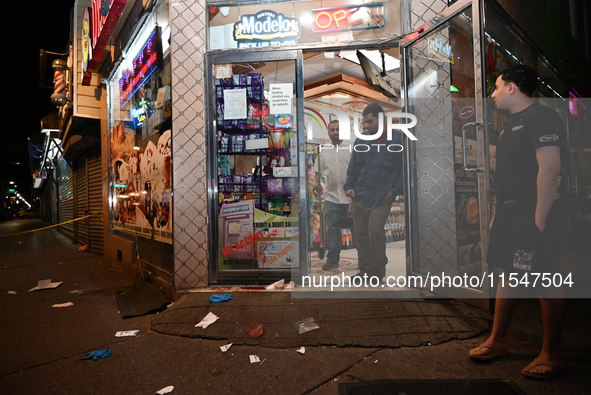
(140, 135)
(257, 165)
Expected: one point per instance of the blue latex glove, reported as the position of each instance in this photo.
(95, 355)
(220, 298)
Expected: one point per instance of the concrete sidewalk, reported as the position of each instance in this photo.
(342, 322)
(358, 339)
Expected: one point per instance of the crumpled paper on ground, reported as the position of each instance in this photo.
(67, 304)
(165, 390)
(276, 285)
(209, 319)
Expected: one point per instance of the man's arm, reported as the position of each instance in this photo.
(351, 176)
(549, 167)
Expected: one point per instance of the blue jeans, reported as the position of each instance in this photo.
(332, 213)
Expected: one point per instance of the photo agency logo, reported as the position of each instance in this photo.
(392, 120)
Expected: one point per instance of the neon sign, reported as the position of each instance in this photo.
(368, 16)
(145, 63)
(266, 29)
(105, 15)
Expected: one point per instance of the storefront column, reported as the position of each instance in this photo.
(190, 228)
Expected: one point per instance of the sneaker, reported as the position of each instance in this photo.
(330, 265)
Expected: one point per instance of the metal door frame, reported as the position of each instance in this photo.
(483, 179)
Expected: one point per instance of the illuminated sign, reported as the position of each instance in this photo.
(145, 63)
(138, 115)
(105, 15)
(88, 64)
(266, 29)
(367, 16)
(85, 45)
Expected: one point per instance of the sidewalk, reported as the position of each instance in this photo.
(342, 322)
(358, 340)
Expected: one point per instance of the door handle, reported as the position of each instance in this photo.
(479, 167)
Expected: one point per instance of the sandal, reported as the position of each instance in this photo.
(554, 370)
(494, 353)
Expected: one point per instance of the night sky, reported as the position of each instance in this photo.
(43, 24)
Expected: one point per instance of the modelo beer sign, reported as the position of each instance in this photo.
(266, 29)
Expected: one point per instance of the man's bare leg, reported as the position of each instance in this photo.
(552, 305)
(505, 304)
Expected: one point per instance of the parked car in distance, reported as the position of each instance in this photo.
(28, 213)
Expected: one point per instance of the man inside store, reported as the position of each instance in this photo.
(336, 203)
(374, 179)
(529, 219)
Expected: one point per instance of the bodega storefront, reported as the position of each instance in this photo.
(276, 75)
(253, 87)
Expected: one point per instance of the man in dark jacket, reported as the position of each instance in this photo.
(374, 179)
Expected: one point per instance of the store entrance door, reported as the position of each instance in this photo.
(258, 195)
(448, 176)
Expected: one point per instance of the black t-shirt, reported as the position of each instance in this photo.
(517, 167)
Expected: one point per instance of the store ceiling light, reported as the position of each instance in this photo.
(375, 57)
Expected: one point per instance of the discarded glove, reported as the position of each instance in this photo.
(95, 355)
(220, 298)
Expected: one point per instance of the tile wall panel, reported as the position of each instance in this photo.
(190, 224)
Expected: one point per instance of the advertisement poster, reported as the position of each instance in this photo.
(142, 178)
(467, 218)
(252, 239)
(278, 254)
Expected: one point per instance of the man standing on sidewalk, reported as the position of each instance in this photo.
(530, 217)
(374, 179)
(336, 204)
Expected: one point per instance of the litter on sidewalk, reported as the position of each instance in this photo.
(301, 350)
(11, 293)
(254, 358)
(216, 298)
(67, 304)
(254, 329)
(46, 284)
(306, 325)
(95, 355)
(209, 319)
(165, 390)
(276, 285)
(127, 333)
(226, 347)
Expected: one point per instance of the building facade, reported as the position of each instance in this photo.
(209, 119)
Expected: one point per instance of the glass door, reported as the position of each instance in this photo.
(448, 176)
(257, 197)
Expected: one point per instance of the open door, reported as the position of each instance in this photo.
(447, 172)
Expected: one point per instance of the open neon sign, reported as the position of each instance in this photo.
(367, 16)
(145, 63)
